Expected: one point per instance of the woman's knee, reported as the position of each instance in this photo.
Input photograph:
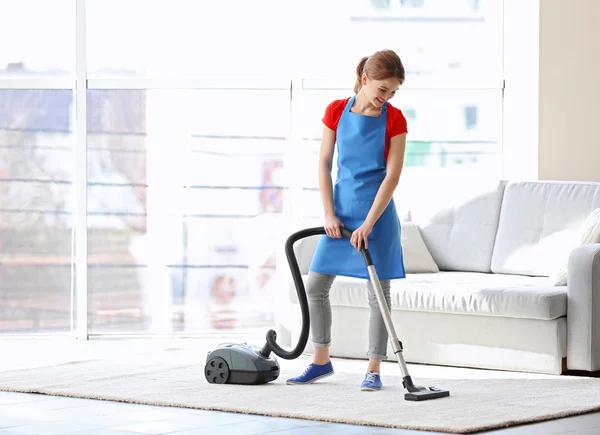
(318, 286)
(385, 286)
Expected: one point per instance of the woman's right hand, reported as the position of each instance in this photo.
(332, 227)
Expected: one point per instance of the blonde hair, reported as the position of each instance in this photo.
(381, 65)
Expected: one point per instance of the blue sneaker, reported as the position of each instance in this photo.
(313, 373)
(372, 382)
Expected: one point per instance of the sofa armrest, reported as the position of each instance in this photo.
(583, 308)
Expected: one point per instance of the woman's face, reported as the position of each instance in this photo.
(380, 91)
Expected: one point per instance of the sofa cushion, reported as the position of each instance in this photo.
(416, 256)
(461, 293)
(458, 219)
(539, 221)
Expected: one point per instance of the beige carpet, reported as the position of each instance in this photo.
(173, 376)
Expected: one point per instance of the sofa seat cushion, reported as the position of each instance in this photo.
(461, 293)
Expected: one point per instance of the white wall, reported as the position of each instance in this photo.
(569, 87)
(552, 95)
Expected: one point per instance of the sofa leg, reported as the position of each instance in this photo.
(582, 373)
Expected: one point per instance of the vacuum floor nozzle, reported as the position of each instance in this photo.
(426, 394)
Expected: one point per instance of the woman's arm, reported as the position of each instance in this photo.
(395, 162)
(325, 165)
(332, 223)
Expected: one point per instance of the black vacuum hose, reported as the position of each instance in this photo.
(271, 344)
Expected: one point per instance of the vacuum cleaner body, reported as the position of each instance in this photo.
(240, 364)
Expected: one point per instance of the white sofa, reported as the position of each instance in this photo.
(488, 299)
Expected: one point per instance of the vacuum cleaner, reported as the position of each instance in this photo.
(246, 364)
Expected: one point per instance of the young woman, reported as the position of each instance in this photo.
(371, 138)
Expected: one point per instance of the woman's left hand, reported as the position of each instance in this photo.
(359, 236)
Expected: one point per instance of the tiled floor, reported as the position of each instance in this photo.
(40, 414)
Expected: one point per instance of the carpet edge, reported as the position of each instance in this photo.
(246, 411)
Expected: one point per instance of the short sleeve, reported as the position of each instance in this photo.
(329, 116)
(333, 113)
(399, 124)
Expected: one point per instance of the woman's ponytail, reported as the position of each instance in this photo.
(360, 69)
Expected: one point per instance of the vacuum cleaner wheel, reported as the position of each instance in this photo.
(216, 370)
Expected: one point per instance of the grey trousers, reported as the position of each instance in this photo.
(317, 292)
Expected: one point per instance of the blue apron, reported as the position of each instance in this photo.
(361, 170)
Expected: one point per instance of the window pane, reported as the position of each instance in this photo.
(437, 40)
(41, 35)
(36, 175)
(236, 38)
(184, 194)
(117, 190)
(448, 130)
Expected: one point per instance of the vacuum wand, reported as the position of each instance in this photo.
(415, 393)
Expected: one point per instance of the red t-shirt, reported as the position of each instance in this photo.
(396, 122)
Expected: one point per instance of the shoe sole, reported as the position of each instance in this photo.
(369, 389)
(311, 381)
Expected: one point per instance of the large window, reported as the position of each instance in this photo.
(200, 122)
